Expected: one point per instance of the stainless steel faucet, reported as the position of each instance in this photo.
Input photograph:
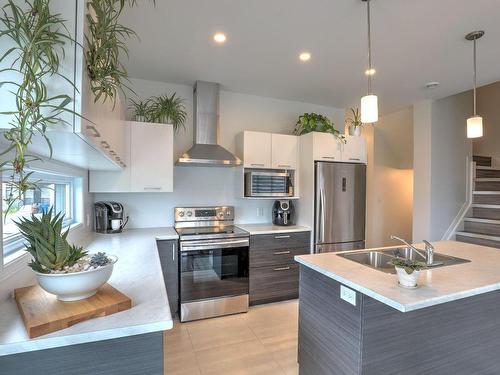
(429, 250)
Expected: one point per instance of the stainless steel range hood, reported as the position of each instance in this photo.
(206, 151)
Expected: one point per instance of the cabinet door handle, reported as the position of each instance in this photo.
(173, 251)
(96, 133)
(282, 269)
(284, 166)
(105, 144)
(282, 252)
(329, 157)
(152, 188)
(357, 159)
(257, 165)
(281, 237)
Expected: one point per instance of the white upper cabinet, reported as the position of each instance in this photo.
(325, 147)
(255, 149)
(149, 162)
(151, 157)
(354, 150)
(284, 150)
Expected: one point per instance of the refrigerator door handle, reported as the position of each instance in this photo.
(321, 236)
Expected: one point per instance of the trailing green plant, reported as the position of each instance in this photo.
(37, 38)
(47, 243)
(312, 122)
(409, 265)
(104, 43)
(354, 119)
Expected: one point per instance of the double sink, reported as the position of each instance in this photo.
(380, 259)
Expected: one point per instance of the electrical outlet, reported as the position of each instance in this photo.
(87, 220)
(260, 211)
(348, 295)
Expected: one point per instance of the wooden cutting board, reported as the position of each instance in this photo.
(42, 313)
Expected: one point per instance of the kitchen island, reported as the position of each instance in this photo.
(449, 325)
(128, 342)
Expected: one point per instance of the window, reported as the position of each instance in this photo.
(57, 191)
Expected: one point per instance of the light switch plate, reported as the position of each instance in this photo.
(348, 295)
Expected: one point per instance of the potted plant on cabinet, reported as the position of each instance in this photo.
(62, 269)
(408, 271)
(161, 109)
(312, 122)
(354, 124)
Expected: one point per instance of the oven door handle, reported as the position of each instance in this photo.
(214, 245)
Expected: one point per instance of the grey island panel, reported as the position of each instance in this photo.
(461, 337)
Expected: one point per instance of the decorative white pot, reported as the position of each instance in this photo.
(77, 285)
(355, 131)
(407, 280)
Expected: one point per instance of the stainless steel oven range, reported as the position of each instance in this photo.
(213, 266)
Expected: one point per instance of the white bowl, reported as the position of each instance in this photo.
(77, 285)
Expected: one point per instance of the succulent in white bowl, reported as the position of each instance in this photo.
(62, 269)
(408, 271)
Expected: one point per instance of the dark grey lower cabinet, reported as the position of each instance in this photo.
(133, 355)
(274, 275)
(169, 259)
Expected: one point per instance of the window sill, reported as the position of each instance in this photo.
(16, 263)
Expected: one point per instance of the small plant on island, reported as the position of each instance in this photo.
(408, 265)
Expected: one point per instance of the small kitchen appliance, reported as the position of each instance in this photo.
(283, 213)
(109, 217)
(213, 263)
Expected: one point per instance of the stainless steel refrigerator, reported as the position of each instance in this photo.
(340, 207)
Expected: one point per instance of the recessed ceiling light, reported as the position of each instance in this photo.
(370, 72)
(305, 56)
(431, 85)
(220, 37)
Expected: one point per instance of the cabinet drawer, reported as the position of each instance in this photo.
(276, 283)
(275, 257)
(280, 241)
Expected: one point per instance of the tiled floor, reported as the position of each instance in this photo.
(262, 341)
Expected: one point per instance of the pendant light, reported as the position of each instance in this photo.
(474, 123)
(369, 103)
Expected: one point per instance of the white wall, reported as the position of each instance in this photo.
(215, 186)
(488, 106)
(389, 178)
(441, 154)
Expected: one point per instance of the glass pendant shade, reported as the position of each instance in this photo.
(369, 109)
(475, 127)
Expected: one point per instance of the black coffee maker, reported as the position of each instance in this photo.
(109, 217)
(283, 213)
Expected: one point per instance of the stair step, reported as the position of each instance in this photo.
(483, 226)
(487, 172)
(478, 239)
(487, 184)
(486, 211)
(491, 206)
(486, 197)
(483, 168)
(484, 161)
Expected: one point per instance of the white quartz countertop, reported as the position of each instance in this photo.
(137, 274)
(271, 228)
(436, 286)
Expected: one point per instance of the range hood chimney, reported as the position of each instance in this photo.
(206, 151)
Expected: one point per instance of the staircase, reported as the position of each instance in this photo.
(483, 227)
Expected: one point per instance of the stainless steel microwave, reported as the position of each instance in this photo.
(268, 184)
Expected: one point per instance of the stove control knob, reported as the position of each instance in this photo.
(228, 213)
(189, 213)
(181, 214)
(221, 214)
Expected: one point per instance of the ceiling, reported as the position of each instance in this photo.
(414, 42)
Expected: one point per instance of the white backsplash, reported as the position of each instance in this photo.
(193, 186)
